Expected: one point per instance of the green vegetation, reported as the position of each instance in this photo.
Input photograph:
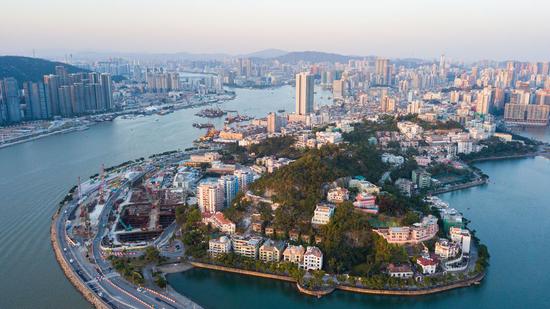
(30, 69)
(194, 233)
(276, 146)
(495, 147)
(298, 186)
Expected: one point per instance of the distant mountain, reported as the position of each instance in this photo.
(314, 56)
(266, 53)
(30, 69)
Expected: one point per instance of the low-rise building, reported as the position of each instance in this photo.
(421, 178)
(337, 195)
(246, 246)
(219, 246)
(463, 237)
(294, 254)
(271, 251)
(364, 186)
(417, 233)
(428, 264)
(366, 203)
(219, 221)
(400, 271)
(313, 259)
(322, 214)
(405, 186)
(446, 249)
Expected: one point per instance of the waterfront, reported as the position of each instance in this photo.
(37, 174)
(510, 222)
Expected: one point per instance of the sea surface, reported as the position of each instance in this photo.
(511, 216)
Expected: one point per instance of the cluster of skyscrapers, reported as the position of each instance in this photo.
(60, 94)
(162, 82)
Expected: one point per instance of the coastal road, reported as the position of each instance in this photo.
(96, 273)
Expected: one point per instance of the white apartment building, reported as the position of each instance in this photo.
(322, 214)
(313, 259)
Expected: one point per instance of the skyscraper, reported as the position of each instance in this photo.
(36, 101)
(383, 71)
(10, 94)
(107, 87)
(52, 84)
(304, 93)
(230, 184)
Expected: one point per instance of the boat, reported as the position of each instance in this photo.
(211, 113)
(202, 125)
(281, 111)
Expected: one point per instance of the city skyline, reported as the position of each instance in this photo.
(395, 29)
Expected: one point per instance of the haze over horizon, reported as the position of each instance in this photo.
(465, 30)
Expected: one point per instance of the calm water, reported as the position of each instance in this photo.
(34, 176)
(511, 215)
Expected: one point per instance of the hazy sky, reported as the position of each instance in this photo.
(466, 29)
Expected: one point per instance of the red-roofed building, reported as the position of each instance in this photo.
(219, 221)
(428, 264)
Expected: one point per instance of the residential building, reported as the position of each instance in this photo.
(219, 221)
(337, 195)
(421, 178)
(272, 251)
(366, 203)
(405, 186)
(210, 196)
(294, 254)
(400, 271)
(322, 214)
(245, 179)
(428, 264)
(246, 246)
(417, 233)
(313, 259)
(446, 249)
(230, 184)
(219, 246)
(364, 186)
(463, 237)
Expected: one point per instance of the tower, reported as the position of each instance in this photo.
(304, 93)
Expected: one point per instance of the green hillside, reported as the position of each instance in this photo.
(30, 69)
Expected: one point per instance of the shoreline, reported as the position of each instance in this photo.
(91, 297)
(418, 292)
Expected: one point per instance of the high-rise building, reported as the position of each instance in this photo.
(230, 184)
(339, 89)
(11, 98)
(210, 197)
(245, 179)
(484, 101)
(536, 115)
(36, 101)
(273, 123)
(442, 67)
(383, 71)
(107, 88)
(304, 93)
(52, 83)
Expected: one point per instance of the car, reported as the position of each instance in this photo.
(65, 249)
(71, 261)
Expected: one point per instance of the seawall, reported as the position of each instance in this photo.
(67, 269)
(419, 292)
(433, 290)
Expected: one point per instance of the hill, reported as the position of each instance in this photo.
(267, 53)
(30, 69)
(314, 56)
